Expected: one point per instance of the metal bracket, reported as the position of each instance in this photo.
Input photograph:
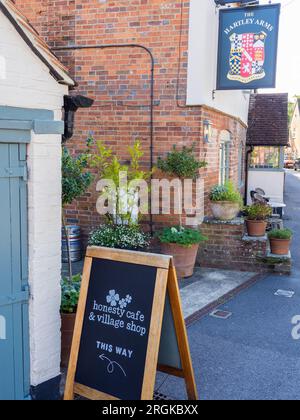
(17, 172)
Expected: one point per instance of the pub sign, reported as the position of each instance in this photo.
(248, 44)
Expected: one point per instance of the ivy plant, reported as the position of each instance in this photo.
(70, 294)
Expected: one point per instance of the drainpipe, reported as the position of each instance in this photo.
(249, 151)
(151, 122)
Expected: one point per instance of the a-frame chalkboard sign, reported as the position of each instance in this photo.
(129, 324)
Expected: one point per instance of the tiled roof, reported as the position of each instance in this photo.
(268, 120)
(35, 42)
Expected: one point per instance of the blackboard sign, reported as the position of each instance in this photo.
(126, 324)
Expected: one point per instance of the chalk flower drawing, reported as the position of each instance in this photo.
(122, 303)
(112, 298)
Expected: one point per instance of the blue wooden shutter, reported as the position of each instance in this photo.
(14, 333)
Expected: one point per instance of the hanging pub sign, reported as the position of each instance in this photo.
(248, 43)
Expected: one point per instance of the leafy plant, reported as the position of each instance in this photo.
(110, 167)
(129, 237)
(70, 294)
(75, 177)
(286, 234)
(258, 211)
(180, 235)
(181, 163)
(75, 182)
(226, 192)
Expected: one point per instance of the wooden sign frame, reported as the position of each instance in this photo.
(166, 281)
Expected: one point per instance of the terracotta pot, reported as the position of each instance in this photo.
(225, 210)
(67, 329)
(256, 227)
(184, 258)
(280, 246)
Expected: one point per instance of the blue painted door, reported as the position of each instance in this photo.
(14, 328)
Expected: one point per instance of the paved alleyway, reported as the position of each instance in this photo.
(252, 355)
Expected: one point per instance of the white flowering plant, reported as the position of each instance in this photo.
(129, 237)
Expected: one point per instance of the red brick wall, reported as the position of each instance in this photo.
(228, 248)
(119, 81)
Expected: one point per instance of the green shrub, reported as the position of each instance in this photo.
(70, 294)
(258, 211)
(181, 163)
(280, 234)
(180, 235)
(226, 192)
(129, 237)
(110, 167)
(75, 177)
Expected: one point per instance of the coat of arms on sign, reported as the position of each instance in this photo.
(247, 57)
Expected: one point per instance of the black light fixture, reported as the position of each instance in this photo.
(71, 105)
(207, 131)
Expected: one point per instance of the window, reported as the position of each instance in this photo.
(224, 160)
(266, 158)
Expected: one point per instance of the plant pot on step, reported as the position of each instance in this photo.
(280, 241)
(184, 258)
(280, 246)
(67, 329)
(225, 210)
(256, 228)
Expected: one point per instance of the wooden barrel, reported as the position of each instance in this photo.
(75, 244)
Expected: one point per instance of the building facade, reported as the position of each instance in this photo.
(182, 38)
(267, 138)
(295, 131)
(32, 86)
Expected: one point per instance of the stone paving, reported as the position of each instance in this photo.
(204, 288)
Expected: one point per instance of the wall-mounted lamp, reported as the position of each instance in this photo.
(207, 131)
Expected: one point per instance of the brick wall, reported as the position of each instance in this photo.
(119, 81)
(228, 247)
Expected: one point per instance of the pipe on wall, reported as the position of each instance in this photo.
(151, 122)
(248, 153)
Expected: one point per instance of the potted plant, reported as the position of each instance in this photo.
(257, 216)
(226, 201)
(129, 237)
(181, 164)
(69, 302)
(280, 240)
(183, 244)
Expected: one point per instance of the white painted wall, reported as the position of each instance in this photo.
(202, 67)
(44, 206)
(24, 79)
(26, 82)
(272, 182)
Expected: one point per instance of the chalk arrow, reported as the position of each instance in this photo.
(111, 365)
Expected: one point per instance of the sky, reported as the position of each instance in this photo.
(288, 71)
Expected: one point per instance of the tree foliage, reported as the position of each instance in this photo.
(181, 163)
(75, 177)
